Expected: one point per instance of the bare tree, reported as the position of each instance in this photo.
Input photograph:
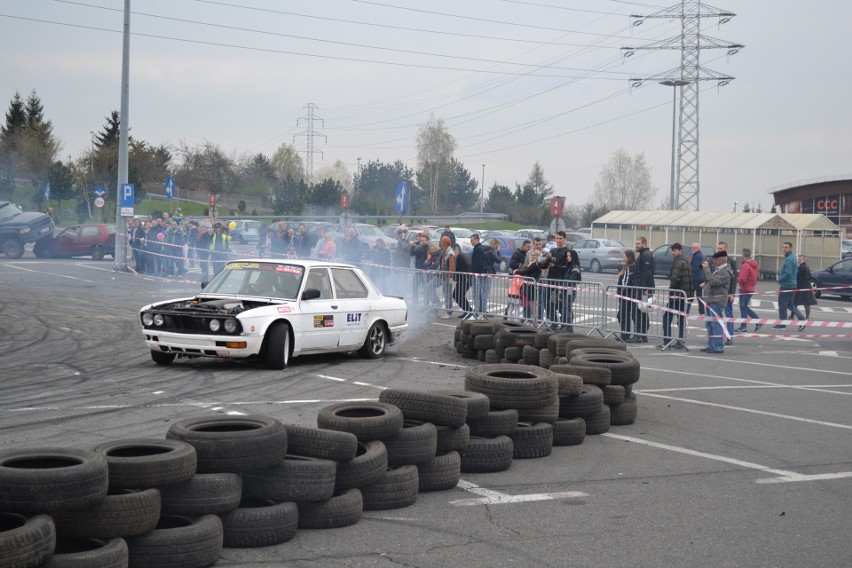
(435, 147)
(624, 183)
(288, 163)
(337, 172)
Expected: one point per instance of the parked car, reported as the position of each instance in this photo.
(600, 254)
(845, 251)
(838, 274)
(531, 233)
(94, 240)
(246, 232)
(367, 234)
(485, 235)
(508, 245)
(17, 228)
(273, 310)
(663, 260)
(573, 237)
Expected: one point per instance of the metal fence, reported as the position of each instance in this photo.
(635, 314)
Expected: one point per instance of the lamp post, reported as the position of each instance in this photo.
(482, 191)
(673, 204)
(358, 187)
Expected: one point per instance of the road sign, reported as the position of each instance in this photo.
(401, 197)
(556, 205)
(127, 199)
(99, 191)
(47, 191)
(344, 200)
(170, 187)
(212, 200)
(99, 202)
(557, 224)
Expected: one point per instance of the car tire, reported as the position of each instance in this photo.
(487, 455)
(260, 523)
(89, 553)
(595, 265)
(204, 494)
(815, 284)
(26, 541)
(341, 510)
(532, 440)
(141, 463)
(368, 466)
(478, 404)
(12, 248)
(625, 371)
(450, 439)
(440, 474)
(41, 251)
(317, 443)
(416, 444)
(277, 347)
(122, 513)
(97, 252)
(375, 343)
(296, 479)
(178, 542)
(598, 423)
(587, 403)
(161, 358)
(367, 420)
(625, 413)
(439, 409)
(398, 488)
(569, 432)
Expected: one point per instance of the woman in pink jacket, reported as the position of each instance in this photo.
(747, 280)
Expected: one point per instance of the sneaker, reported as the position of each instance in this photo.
(802, 327)
(779, 327)
(708, 350)
(679, 345)
(757, 326)
(729, 342)
(740, 330)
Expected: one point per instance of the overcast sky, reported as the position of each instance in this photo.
(517, 81)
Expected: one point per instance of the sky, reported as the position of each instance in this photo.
(516, 82)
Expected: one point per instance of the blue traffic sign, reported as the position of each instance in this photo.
(99, 191)
(127, 199)
(401, 197)
(170, 187)
(47, 191)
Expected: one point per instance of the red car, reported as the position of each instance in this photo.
(78, 240)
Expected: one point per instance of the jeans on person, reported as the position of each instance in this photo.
(729, 313)
(715, 335)
(675, 303)
(481, 293)
(787, 301)
(745, 310)
(697, 292)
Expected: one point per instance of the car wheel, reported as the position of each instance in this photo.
(161, 358)
(41, 251)
(815, 285)
(98, 252)
(12, 248)
(374, 345)
(278, 347)
(595, 265)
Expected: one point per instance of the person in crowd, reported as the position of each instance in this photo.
(320, 242)
(290, 243)
(786, 285)
(729, 307)
(449, 233)
(537, 245)
(550, 243)
(805, 296)
(403, 247)
(430, 265)
(205, 238)
(192, 243)
(529, 270)
(350, 249)
(139, 246)
(747, 281)
(328, 248)
(278, 247)
(482, 259)
(716, 294)
(627, 309)
(695, 262)
(303, 245)
(446, 268)
(564, 272)
(261, 241)
(419, 250)
(645, 279)
(219, 247)
(463, 281)
(153, 247)
(381, 254)
(519, 257)
(681, 280)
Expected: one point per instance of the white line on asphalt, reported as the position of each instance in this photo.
(444, 324)
(442, 364)
(751, 411)
(51, 274)
(359, 383)
(491, 497)
(740, 362)
(803, 477)
(330, 378)
(704, 376)
(818, 388)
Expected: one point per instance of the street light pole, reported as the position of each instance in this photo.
(482, 191)
(673, 200)
(358, 187)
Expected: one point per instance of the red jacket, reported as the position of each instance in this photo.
(748, 275)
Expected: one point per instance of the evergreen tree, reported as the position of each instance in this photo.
(35, 109)
(326, 193)
(500, 200)
(16, 122)
(290, 196)
(61, 183)
(463, 190)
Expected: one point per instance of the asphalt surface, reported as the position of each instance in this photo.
(742, 459)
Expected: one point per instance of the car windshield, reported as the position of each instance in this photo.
(270, 280)
(8, 210)
(463, 233)
(249, 225)
(370, 231)
(615, 244)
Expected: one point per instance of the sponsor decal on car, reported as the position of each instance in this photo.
(324, 321)
(354, 319)
(290, 269)
(284, 309)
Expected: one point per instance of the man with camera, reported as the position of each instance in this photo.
(716, 286)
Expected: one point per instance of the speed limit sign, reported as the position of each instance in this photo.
(99, 202)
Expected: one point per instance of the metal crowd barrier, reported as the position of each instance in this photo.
(567, 305)
(637, 314)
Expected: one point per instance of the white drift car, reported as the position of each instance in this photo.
(274, 310)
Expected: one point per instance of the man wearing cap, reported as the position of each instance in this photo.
(716, 285)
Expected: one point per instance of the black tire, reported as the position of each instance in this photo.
(318, 443)
(427, 406)
(549, 413)
(491, 356)
(545, 358)
(146, 463)
(49, 480)
(259, 523)
(513, 354)
(450, 439)
(497, 326)
(483, 342)
(40, 250)
(531, 355)
(26, 541)
(367, 420)
(477, 403)
(297, 478)
(483, 327)
(598, 423)
(97, 252)
(487, 455)
(122, 513)
(341, 510)
(376, 341)
(625, 413)
(590, 375)
(542, 339)
(416, 444)
(514, 337)
(440, 474)
(178, 542)
(595, 266)
(480, 355)
(397, 489)
(613, 395)
(624, 371)
(556, 342)
(466, 325)
(89, 553)
(204, 494)
(587, 403)
(368, 466)
(569, 385)
(12, 248)
(591, 343)
(496, 423)
(233, 444)
(457, 336)
(513, 386)
(532, 440)
(161, 358)
(628, 390)
(601, 351)
(277, 346)
(569, 432)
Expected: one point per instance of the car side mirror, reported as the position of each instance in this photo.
(311, 294)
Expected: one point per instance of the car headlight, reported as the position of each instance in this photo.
(230, 325)
(147, 318)
(215, 325)
(158, 319)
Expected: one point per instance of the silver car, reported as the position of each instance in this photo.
(600, 254)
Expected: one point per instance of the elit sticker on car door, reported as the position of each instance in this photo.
(354, 319)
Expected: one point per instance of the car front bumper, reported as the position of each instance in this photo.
(196, 345)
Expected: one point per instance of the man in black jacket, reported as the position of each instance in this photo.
(519, 256)
(732, 290)
(482, 260)
(463, 281)
(645, 279)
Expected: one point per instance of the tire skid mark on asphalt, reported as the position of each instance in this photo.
(439, 363)
(491, 497)
(786, 367)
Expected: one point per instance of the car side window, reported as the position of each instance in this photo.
(318, 278)
(347, 284)
(845, 266)
(91, 232)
